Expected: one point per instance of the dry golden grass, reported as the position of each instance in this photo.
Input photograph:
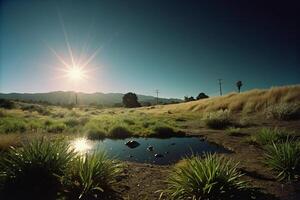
(15, 139)
(8, 140)
(250, 101)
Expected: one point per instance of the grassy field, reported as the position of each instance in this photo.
(261, 127)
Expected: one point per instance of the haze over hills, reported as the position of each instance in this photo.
(61, 97)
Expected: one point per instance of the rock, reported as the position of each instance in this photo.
(172, 144)
(150, 148)
(132, 144)
(157, 155)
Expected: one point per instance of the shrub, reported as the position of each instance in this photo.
(284, 111)
(164, 132)
(233, 131)
(32, 172)
(72, 122)
(90, 175)
(119, 132)
(7, 104)
(57, 127)
(285, 159)
(218, 120)
(40, 109)
(95, 134)
(213, 177)
(269, 136)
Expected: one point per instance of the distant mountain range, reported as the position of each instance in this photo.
(60, 97)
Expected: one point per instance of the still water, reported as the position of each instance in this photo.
(149, 150)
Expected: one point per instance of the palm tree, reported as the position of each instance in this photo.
(239, 85)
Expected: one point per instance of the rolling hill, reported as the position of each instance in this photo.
(60, 97)
(247, 102)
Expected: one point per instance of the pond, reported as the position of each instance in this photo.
(149, 150)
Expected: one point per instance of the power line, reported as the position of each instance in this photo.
(156, 91)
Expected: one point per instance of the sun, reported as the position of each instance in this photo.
(75, 73)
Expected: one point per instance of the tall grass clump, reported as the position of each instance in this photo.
(270, 135)
(33, 171)
(91, 175)
(12, 125)
(218, 120)
(56, 127)
(164, 131)
(95, 133)
(285, 159)
(284, 111)
(213, 177)
(119, 132)
(72, 122)
(232, 131)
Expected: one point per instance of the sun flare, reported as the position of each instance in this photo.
(75, 73)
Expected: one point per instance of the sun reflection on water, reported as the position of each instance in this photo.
(81, 145)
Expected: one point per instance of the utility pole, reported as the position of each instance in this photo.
(76, 100)
(220, 83)
(156, 91)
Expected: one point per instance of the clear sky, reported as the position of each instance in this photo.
(178, 47)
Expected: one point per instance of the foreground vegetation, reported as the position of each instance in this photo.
(52, 170)
(213, 177)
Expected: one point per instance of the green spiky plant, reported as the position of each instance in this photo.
(269, 135)
(284, 158)
(91, 175)
(211, 177)
(34, 170)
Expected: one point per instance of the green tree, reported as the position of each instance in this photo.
(202, 95)
(130, 100)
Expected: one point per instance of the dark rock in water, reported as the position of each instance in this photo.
(157, 155)
(132, 144)
(166, 152)
(130, 156)
(172, 144)
(150, 148)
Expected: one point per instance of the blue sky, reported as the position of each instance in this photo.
(178, 47)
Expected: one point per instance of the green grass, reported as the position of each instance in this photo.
(211, 177)
(270, 135)
(33, 171)
(12, 125)
(91, 175)
(284, 158)
(232, 131)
